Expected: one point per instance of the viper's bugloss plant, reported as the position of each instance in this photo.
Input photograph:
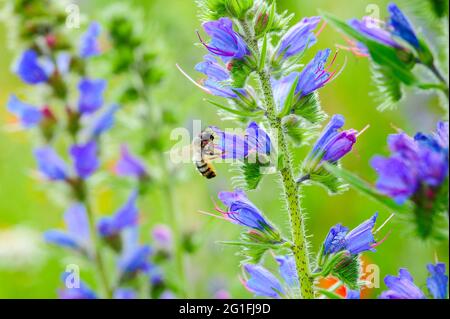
(395, 48)
(74, 121)
(256, 62)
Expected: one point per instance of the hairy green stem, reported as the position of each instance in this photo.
(81, 193)
(299, 241)
(175, 223)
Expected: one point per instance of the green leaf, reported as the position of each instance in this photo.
(263, 56)
(231, 110)
(252, 174)
(310, 109)
(389, 91)
(348, 270)
(333, 183)
(365, 188)
(288, 102)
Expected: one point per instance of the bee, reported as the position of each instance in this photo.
(204, 153)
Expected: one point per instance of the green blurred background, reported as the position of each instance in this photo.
(30, 269)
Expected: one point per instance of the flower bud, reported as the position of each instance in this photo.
(238, 8)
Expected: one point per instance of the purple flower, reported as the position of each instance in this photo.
(91, 95)
(437, 282)
(77, 236)
(28, 115)
(361, 238)
(335, 240)
(75, 290)
(89, 45)
(162, 235)
(212, 69)
(396, 178)
(126, 216)
(129, 165)
(332, 145)
(33, 70)
(356, 241)
(401, 26)
(104, 122)
(298, 38)
(134, 257)
(225, 42)
(313, 77)
(255, 141)
(218, 79)
(242, 212)
(288, 270)
(125, 293)
(85, 159)
(63, 61)
(50, 164)
(371, 29)
(401, 287)
(262, 282)
(422, 161)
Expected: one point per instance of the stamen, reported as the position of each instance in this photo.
(322, 27)
(192, 80)
(211, 214)
(363, 130)
(385, 222)
(381, 241)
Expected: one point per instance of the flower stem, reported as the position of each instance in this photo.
(81, 192)
(300, 246)
(175, 223)
(441, 79)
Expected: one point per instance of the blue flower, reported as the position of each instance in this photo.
(50, 164)
(225, 42)
(288, 270)
(414, 163)
(361, 238)
(63, 61)
(76, 290)
(401, 26)
(437, 282)
(332, 145)
(85, 159)
(401, 287)
(255, 141)
(77, 236)
(218, 79)
(33, 70)
(371, 29)
(313, 77)
(262, 282)
(89, 45)
(29, 115)
(91, 95)
(298, 38)
(242, 212)
(129, 165)
(125, 293)
(104, 122)
(335, 240)
(356, 241)
(353, 294)
(126, 216)
(134, 257)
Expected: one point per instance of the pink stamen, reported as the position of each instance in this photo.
(212, 49)
(322, 27)
(381, 241)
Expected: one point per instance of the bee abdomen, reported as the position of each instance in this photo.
(205, 169)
